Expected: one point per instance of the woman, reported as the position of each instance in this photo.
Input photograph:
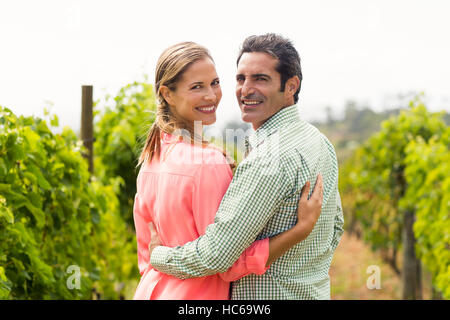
(182, 181)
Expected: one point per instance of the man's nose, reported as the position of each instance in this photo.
(246, 88)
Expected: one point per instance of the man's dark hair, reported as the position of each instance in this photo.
(280, 48)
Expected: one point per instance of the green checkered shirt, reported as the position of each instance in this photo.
(261, 202)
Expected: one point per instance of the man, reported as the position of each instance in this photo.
(261, 201)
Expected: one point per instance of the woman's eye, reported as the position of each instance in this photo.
(196, 87)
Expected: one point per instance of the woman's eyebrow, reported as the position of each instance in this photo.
(196, 82)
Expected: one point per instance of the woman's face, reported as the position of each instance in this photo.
(197, 93)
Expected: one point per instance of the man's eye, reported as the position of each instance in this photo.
(260, 79)
(215, 82)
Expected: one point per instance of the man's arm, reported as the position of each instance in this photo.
(254, 195)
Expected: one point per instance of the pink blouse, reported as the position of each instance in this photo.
(180, 193)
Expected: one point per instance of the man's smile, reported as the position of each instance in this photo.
(251, 102)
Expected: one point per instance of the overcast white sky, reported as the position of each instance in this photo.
(368, 51)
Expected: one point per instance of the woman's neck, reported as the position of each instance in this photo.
(192, 132)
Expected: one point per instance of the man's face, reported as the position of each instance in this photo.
(258, 88)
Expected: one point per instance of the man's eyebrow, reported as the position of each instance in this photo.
(256, 75)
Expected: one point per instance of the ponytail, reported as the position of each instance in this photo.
(152, 145)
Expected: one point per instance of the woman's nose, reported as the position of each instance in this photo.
(210, 95)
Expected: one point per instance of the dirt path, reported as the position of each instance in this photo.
(349, 273)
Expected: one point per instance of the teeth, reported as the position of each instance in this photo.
(206, 109)
(251, 102)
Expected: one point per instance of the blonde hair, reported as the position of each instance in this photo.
(171, 65)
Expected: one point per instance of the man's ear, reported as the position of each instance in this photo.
(166, 94)
(292, 85)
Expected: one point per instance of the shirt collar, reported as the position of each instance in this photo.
(168, 138)
(279, 120)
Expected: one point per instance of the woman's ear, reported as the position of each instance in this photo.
(166, 94)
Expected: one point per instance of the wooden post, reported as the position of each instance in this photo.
(411, 270)
(87, 127)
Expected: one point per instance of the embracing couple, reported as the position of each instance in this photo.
(269, 231)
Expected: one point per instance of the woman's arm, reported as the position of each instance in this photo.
(262, 253)
(256, 259)
(143, 234)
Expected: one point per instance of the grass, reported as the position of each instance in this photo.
(349, 274)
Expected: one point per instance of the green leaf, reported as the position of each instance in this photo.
(54, 121)
(3, 168)
(42, 182)
(6, 214)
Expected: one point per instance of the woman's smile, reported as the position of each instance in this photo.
(208, 109)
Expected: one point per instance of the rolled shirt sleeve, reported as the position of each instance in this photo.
(252, 260)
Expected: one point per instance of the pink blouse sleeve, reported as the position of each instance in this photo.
(212, 181)
(142, 235)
